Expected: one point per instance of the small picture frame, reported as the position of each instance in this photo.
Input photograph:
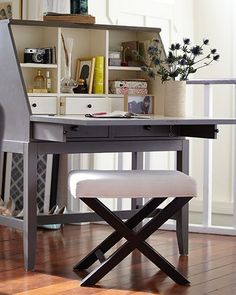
(10, 9)
(139, 104)
(85, 70)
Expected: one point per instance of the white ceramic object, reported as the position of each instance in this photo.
(175, 99)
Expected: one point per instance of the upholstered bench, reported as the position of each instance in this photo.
(157, 185)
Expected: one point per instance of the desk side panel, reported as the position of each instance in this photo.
(13, 96)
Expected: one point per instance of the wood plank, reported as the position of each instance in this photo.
(53, 289)
(71, 18)
(210, 266)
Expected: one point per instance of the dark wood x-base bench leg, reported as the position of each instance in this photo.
(135, 240)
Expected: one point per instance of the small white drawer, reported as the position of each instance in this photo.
(44, 105)
(84, 105)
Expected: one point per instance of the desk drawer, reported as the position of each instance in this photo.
(84, 105)
(45, 105)
(77, 132)
(141, 131)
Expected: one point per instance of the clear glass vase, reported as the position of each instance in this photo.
(67, 83)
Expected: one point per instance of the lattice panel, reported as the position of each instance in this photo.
(16, 189)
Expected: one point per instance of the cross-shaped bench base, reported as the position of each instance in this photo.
(135, 240)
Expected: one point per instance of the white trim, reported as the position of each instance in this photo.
(167, 2)
(197, 228)
(233, 58)
(225, 208)
(147, 161)
(234, 158)
(207, 173)
(59, 62)
(106, 62)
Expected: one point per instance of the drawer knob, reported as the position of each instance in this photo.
(89, 105)
(147, 127)
(34, 105)
(74, 128)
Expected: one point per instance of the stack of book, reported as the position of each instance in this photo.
(114, 58)
(129, 86)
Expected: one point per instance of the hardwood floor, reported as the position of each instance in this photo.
(210, 266)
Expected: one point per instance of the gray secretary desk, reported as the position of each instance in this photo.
(32, 130)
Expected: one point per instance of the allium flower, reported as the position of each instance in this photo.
(186, 41)
(196, 50)
(180, 61)
(177, 46)
(216, 57)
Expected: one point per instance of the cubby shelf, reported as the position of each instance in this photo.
(42, 94)
(33, 94)
(38, 66)
(88, 41)
(121, 68)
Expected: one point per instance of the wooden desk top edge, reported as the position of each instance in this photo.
(154, 120)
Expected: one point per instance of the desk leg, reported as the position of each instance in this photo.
(137, 164)
(3, 160)
(30, 212)
(182, 220)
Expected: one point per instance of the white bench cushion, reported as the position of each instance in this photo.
(131, 183)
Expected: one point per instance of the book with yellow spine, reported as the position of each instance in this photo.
(98, 84)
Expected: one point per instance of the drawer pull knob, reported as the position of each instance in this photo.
(34, 105)
(89, 105)
(148, 127)
(74, 128)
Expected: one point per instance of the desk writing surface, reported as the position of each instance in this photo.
(153, 120)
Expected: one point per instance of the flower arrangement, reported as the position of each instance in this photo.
(181, 60)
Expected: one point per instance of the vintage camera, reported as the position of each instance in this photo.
(38, 55)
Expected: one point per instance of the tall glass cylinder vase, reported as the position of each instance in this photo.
(67, 83)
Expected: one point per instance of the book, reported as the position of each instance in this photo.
(70, 18)
(137, 83)
(98, 82)
(127, 90)
(117, 114)
(129, 86)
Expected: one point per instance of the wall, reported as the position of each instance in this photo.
(216, 20)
